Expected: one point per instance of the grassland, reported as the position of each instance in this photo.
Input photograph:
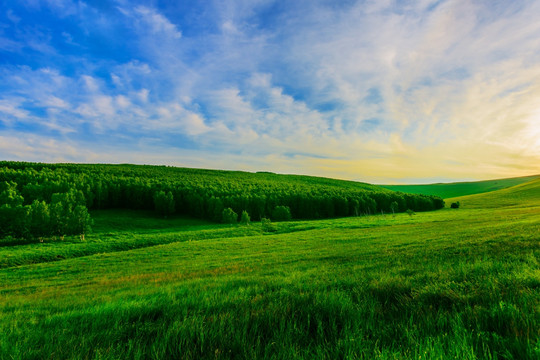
(523, 195)
(449, 284)
(450, 190)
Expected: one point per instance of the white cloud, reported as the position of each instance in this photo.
(55, 102)
(231, 107)
(10, 45)
(157, 22)
(90, 83)
(171, 117)
(152, 21)
(30, 147)
(122, 101)
(142, 95)
(12, 108)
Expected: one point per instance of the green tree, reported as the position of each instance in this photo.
(164, 203)
(9, 195)
(13, 215)
(281, 213)
(61, 212)
(13, 221)
(354, 207)
(40, 220)
(81, 221)
(245, 219)
(215, 208)
(394, 207)
(228, 216)
(371, 206)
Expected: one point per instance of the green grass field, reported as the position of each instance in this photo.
(450, 190)
(450, 284)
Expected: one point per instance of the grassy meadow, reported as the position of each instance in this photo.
(448, 284)
(450, 190)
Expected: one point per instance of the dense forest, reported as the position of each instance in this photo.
(42, 200)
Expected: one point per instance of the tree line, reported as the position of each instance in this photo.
(198, 193)
(65, 214)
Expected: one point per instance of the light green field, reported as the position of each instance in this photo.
(523, 195)
(449, 284)
(449, 190)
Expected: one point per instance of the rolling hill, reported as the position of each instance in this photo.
(450, 190)
(526, 194)
(199, 193)
(448, 284)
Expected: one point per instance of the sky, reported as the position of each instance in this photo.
(381, 91)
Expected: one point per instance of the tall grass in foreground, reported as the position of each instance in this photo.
(453, 284)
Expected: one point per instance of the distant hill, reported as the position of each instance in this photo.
(526, 194)
(450, 190)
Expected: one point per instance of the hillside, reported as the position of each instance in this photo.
(527, 194)
(450, 190)
(192, 175)
(201, 193)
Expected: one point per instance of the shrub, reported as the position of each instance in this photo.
(228, 216)
(281, 213)
(410, 212)
(455, 205)
(245, 219)
(267, 225)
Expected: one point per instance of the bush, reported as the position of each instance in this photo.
(455, 205)
(228, 216)
(410, 212)
(267, 225)
(281, 213)
(245, 219)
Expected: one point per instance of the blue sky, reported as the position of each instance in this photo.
(378, 91)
